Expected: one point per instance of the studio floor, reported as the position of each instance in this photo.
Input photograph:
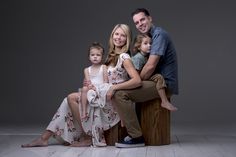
(186, 141)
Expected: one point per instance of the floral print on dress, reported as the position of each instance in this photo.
(58, 131)
(118, 74)
(63, 124)
(56, 115)
(69, 122)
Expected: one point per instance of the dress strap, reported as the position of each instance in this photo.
(100, 69)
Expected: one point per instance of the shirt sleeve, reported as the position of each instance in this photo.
(138, 62)
(124, 56)
(159, 44)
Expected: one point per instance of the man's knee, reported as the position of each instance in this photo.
(120, 94)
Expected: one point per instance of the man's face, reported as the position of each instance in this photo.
(142, 22)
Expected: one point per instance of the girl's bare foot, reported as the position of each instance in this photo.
(39, 142)
(102, 143)
(168, 106)
(83, 142)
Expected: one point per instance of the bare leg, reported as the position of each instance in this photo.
(161, 86)
(74, 106)
(42, 141)
(84, 102)
(72, 99)
(165, 103)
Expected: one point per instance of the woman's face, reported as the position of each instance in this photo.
(119, 38)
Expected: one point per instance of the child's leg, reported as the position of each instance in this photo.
(165, 103)
(84, 102)
(161, 86)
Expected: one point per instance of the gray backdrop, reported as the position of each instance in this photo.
(44, 49)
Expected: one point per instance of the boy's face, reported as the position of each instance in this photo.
(95, 56)
(142, 22)
(146, 45)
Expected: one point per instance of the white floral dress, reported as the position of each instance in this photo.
(100, 118)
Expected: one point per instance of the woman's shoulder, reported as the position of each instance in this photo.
(124, 56)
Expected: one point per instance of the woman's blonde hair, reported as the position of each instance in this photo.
(112, 57)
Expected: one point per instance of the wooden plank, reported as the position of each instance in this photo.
(155, 123)
(114, 134)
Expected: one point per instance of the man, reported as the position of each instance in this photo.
(162, 60)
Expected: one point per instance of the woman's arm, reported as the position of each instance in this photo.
(105, 75)
(133, 82)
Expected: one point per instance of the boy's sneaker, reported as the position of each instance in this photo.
(129, 142)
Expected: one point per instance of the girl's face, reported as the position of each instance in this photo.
(119, 38)
(95, 56)
(146, 45)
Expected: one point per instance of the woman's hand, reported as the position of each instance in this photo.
(110, 92)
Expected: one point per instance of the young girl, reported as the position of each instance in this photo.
(95, 75)
(95, 108)
(142, 47)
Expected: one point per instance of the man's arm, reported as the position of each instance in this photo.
(149, 67)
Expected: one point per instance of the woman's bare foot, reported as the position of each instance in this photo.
(168, 106)
(83, 142)
(39, 142)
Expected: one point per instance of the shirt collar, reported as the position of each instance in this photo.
(152, 30)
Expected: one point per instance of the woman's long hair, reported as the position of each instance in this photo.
(113, 54)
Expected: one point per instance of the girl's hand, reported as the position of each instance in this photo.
(87, 83)
(91, 86)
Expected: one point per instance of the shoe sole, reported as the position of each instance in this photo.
(120, 145)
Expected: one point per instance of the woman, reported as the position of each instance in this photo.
(121, 74)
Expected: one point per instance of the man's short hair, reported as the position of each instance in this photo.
(139, 10)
